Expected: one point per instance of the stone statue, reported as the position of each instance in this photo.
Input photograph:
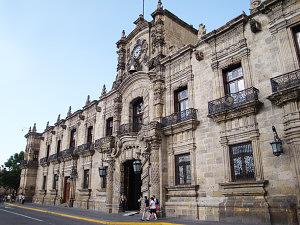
(103, 90)
(201, 31)
(88, 101)
(69, 111)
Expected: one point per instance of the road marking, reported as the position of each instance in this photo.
(21, 215)
(88, 219)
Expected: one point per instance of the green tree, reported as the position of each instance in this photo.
(11, 172)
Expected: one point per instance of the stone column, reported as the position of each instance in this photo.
(157, 80)
(257, 160)
(226, 158)
(110, 184)
(117, 114)
(155, 169)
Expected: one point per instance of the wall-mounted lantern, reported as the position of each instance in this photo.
(102, 171)
(137, 166)
(276, 144)
(73, 174)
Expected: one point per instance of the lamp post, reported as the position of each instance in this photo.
(276, 144)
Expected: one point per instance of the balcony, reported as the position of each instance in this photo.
(86, 149)
(105, 143)
(54, 158)
(29, 164)
(44, 161)
(234, 105)
(130, 129)
(189, 114)
(285, 88)
(68, 154)
(180, 122)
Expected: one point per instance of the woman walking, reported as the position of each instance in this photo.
(152, 209)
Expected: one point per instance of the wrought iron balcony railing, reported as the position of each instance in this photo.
(44, 161)
(232, 101)
(130, 128)
(106, 142)
(286, 81)
(67, 153)
(87, 148)
(53, 158)
(32, 163)
(23, 164)
(179, 117)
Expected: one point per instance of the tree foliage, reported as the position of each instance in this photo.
(11, 171)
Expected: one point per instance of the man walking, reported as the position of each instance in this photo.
(146, 208)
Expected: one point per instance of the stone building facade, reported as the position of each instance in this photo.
(195, 110)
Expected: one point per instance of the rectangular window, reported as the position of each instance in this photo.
(242, 162)
(104, 182)
(183, 169)
(90, 134)
(72, 138)
(109, 126)
(234, 80)
(296, 34)
(55, 180)
(86, 178)
(181, 100)
(44, 183)
(58, 147)
(48, 151)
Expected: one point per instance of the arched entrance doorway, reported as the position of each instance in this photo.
(132, 186)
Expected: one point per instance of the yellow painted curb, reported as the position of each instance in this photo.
(88, 219)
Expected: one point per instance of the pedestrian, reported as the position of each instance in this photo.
(22, 199)
(9, 198)
(152, 209)
(156, 205)
(146, 208)
(123, 201)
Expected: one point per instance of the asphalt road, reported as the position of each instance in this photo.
(17, 216)
(34, 214)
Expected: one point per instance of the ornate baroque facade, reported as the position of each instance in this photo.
(196, 109)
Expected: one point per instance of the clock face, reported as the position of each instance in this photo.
(137, 51)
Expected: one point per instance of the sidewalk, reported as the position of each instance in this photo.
(105, 217)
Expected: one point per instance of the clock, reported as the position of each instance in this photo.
(136, 53)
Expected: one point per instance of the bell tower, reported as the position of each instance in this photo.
(29, 165)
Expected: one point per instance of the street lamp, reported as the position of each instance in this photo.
(276, 144)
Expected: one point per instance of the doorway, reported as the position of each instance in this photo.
(132, 186)
(67, 186)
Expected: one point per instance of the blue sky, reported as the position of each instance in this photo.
(53, 53)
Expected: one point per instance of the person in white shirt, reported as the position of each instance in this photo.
(152, 209)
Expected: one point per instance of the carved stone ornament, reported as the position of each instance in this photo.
(199, 55)
(98, 109)
(82, 117)
(255, 3)
(255, 26)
